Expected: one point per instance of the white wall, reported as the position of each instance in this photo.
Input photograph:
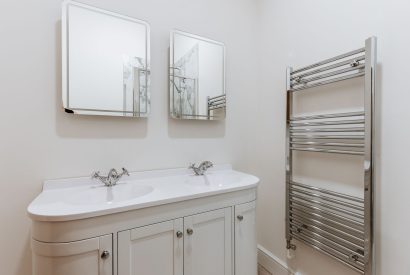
(39, 141)
(298, 33)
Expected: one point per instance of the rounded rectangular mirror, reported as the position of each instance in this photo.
(106, 66)
(197, 77)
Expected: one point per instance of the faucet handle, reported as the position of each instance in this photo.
(95, 175)
(207, 164)
(125, 171)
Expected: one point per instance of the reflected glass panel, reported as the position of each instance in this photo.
(197, 77)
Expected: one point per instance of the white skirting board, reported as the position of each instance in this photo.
(271, 263)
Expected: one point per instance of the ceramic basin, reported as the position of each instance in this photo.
(214, 180)
(109, 195)
(80, 198)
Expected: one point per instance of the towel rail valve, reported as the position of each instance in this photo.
(354, 257)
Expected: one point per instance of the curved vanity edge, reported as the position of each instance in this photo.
(78, 216)
(37, 210)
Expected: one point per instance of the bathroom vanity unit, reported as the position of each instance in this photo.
(167, 222)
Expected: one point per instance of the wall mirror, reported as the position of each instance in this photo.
(105, 62)
(197, 77)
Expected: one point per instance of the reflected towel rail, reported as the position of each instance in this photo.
(215, 103)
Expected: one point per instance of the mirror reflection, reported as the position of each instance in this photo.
(197, 77)
(106, 67)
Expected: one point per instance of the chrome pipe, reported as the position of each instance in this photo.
(217, 99)
(322, 116)
(328, 199)
(221, 97)
(343, 242)
(217, 105)
(327, 213)
(216, 108)
(289, 156)
(358, 145)
(340, 257)
(304, 81)
(330, 67)
(325, 82)
(329, 206)
(324, 123)
(342, 254)
(333, 130)
(313, 137)
(327, 151)
(314, 217)
(329, 60)
(370, 148)
(217, 96)
(329, 229)
(331, 243)
(328, 192)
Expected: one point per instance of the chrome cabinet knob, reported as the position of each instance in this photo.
(190, 231)
(240, 217)
(179, 234)
(105, 254)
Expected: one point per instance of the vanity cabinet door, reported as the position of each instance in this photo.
(208, 243)
(152, 250)
(90, 256)
(245, 240)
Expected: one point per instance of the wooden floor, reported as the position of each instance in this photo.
(262, 271)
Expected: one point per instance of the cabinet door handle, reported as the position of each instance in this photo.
(179, 234)
(240, 217)
(190, 231)
(105, 254)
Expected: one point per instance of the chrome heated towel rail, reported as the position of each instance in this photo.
(336, 224)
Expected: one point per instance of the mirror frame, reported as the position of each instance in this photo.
(65, 63)
(171, 73)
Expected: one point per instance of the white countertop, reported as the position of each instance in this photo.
(80, 198)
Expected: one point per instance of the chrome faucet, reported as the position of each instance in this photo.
(112, 178)
(201, 169)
